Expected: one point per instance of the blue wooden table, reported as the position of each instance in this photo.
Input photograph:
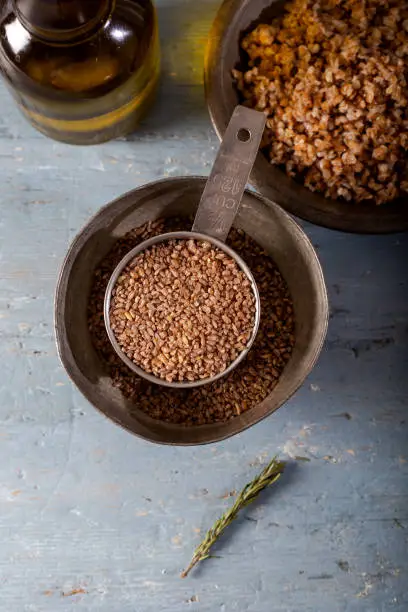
(94, 519)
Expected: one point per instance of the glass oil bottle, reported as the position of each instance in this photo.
(81, 71)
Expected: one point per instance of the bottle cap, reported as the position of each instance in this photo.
(62, 17)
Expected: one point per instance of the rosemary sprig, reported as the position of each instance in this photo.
(270, 474)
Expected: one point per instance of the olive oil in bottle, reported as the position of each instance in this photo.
(81, 71)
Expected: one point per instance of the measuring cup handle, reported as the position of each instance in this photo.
(225, 186)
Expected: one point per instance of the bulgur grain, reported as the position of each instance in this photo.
(249, 383)
(182, 310)
(331, 77)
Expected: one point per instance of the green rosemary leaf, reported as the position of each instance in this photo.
(269, 475)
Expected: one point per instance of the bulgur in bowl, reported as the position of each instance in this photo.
(331, 77)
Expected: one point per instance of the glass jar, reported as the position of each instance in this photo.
(81, 71)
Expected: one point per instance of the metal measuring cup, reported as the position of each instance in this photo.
(215, 215)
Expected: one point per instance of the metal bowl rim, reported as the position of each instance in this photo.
(72, 369)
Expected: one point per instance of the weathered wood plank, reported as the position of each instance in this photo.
(93, 519)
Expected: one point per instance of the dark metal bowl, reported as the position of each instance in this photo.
(233, 20)
(265, 222)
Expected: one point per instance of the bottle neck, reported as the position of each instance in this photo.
(62, 20)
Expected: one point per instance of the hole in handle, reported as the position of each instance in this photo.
(244, 135)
